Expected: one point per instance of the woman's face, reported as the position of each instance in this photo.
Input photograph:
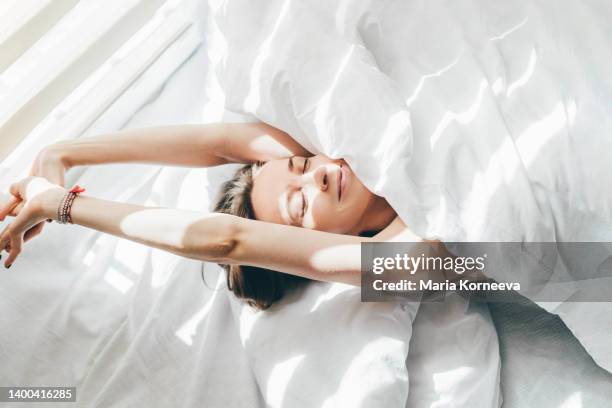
(314, 192)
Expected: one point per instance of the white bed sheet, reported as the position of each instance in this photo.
(477, 121)
(134, 326)
(126, 324)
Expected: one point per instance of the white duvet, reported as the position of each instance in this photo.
(478, 121)
(455, 111)
(130, 326)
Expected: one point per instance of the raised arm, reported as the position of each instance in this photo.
(183, 145)
(214, 237)
(226, 239)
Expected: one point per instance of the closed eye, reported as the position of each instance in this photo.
(304, 204)
(306, 164)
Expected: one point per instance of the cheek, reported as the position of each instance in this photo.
(360, 200)
(324, 216)
(317, 216)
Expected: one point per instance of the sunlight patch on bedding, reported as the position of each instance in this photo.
(333, 291)
(193, 193)
(132, 190)
(504, 163)
(279, 379)
(444, 383)
(217, 54)
(387, 371)
(341, 15)
(574, 401)
(498, 86)
(188, 330)
(117, 280)
(526, 75)
(126, 49)
(510, 31)
(214, 107)
(462, 118)
(163, 264)
(324, 105)
(100, 243)
(392, 143)
(248, 318)
(132, 255)
(533, 139)
(502, 168)
(159, 187)
(424, 79)
(253, 99)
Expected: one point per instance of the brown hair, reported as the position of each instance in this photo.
(260, 287)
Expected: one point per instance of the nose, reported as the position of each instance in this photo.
(318, 177)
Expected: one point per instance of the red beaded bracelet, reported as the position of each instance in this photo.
(65, 207)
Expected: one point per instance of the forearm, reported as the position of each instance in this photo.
(314, 254)
(221, 238)
(190, 234)
(184, 145)
(298, 251)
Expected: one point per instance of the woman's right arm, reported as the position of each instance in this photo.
(182, 145)
(221, 238)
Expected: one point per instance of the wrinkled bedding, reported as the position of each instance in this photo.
(477, 121)
(131, 326)
(134, 326)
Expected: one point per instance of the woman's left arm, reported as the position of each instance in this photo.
(225, 238)
(214, 237)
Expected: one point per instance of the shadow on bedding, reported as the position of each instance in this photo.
(543, 364)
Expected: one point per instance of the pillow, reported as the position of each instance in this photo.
(295, 71)
(321, 347)
(454, 356)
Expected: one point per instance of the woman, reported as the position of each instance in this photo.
(284, 211)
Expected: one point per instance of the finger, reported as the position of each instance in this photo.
(8, 206)
(16, 244)
(4, 239)
(17, 210)
(34, 231)
(23, 222)
(15, 189)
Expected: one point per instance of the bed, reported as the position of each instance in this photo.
(134, 326)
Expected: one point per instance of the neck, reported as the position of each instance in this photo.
(378, 215)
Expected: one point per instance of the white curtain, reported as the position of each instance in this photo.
(70, 68)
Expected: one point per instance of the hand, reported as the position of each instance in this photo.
(30, 203)
(50, 164)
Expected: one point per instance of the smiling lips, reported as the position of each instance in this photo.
(340, 176)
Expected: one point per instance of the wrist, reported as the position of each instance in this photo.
(60, 153)
(50, 202)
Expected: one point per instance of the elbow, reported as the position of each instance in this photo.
(222, 245)
(222, 251)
